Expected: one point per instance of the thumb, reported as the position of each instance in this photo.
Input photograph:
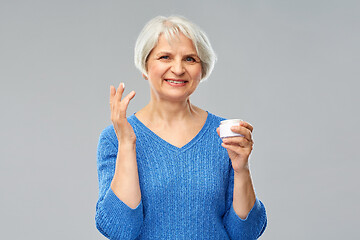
(126, 100)
(218, 131)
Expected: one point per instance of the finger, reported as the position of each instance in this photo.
(218, 131)
(125, 103)
(112, 93)
(235, 148)
(119, 91)
(130, 96)
(238, 141)
(243, 131)
(247, 125)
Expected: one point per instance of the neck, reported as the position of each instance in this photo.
(171, 111)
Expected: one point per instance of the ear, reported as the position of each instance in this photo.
(145, 77)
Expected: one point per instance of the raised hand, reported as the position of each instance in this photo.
(118, 107)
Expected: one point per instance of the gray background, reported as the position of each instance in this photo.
(291, 68)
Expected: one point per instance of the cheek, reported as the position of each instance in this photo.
(197, 73)
(156, 70)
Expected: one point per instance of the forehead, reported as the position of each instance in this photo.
(175, 43)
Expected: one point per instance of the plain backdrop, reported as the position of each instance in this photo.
(291, 68)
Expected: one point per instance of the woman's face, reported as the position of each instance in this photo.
(174, 69)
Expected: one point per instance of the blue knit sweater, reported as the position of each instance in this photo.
(186, 193)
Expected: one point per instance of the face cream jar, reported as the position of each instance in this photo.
(225, 126)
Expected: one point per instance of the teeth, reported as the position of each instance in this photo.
(172, 81)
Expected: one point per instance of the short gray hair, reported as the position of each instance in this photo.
(171, 26)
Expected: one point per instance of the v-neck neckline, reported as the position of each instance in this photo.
(168, 145)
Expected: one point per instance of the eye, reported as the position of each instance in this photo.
(190, 59)
(164, 57)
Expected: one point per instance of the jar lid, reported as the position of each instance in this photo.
(230, 121)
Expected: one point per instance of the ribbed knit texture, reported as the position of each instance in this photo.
(186, 193)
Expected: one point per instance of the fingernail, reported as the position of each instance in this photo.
(123, 85)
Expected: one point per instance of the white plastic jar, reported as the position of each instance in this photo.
(225, 126)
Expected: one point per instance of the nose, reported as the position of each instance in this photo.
(177, 67)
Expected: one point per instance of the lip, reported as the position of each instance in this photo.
(173, 79)
(176, 84)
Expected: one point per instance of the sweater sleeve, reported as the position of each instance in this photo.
(114, 219)
(249, 228)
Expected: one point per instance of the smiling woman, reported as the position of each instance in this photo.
(164, 172)
(170, 28)
(173, 68)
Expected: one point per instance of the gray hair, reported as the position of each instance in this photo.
(171, 26)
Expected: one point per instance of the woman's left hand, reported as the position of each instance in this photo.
(239, 148)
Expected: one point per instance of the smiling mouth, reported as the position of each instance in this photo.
(175, 81)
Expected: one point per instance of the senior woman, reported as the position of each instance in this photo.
(164, 172)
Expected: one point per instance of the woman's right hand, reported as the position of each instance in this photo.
(118, 107)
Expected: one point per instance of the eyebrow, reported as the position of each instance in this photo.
(169, 53)
(192, 55)
(163, 53)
